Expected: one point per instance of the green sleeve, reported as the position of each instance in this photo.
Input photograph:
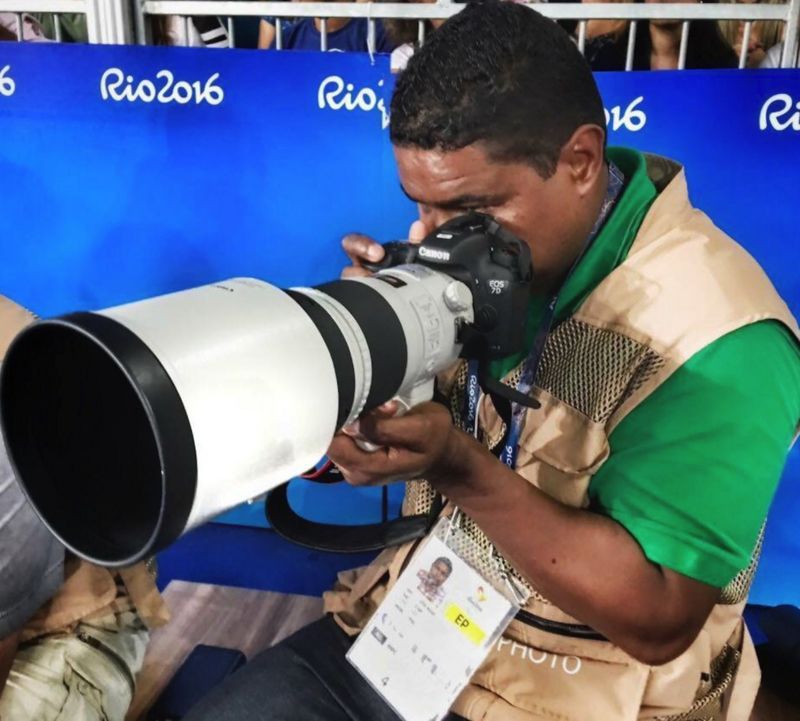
(693, 469)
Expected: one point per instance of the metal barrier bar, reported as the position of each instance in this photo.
(684, 45)
(107, 20)
(631, 45)
(323, 34)
(442, 10)
(748, 26)
(371, 36)
(278, 34)
(789, 56)
(420, 32)
(43, 6)
(20, 28)
(117, 21)
(57, 27)
(140, 25)
(231, 33)
(94, 26)
(185, 22)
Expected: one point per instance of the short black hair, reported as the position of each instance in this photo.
(502, 74)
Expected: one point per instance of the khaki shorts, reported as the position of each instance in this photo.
(86, 675)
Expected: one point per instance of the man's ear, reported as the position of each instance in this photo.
(584, 156)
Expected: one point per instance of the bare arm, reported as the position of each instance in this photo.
(266, 35)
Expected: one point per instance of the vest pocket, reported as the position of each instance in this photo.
(560, 450)
(703, 697)
(546, 676)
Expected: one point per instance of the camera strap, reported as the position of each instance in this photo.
(339, 538)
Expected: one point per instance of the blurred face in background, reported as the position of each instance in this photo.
(668, 23)
(763, 34)
(596, 28)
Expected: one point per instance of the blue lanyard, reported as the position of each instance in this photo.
(530, 368)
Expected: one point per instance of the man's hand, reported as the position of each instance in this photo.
(423, 442)
(583, 562)
(362, 249)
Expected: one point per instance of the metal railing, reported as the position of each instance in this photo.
(115, 21)
(107, 21)
(686, 13)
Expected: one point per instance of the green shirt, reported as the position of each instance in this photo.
(693, 468)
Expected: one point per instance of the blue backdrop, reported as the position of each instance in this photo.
(127, 172)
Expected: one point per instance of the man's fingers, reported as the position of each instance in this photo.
(385, 410)
(354, 271)
(417, 232)
(412, 431)
(361, 248)
(361, 467)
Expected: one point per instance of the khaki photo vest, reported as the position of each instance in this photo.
(683, 285)
(88, 591)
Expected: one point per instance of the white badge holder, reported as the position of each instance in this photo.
(436, 626)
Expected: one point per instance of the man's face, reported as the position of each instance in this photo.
(546, 214)
(439, 573)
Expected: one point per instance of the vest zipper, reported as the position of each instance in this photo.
(112, 656)
(573, 630)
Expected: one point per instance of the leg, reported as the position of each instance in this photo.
(305, 677)
(64, 678)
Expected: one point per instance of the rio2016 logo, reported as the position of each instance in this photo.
(7, 84)
(336, 94)
(631, 118)
(780, 112)
(117, 86)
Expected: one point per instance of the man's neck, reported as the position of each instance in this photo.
(665, 43)
(547, 286)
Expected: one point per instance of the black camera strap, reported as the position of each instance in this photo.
(340, 538)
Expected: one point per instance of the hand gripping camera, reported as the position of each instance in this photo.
(129, 426)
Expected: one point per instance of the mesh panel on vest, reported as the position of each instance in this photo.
(593, 370)
(708, 707)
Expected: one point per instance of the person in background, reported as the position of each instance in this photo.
(764, 34)
(773, 53)
(72, 635)
(72, 25)
(32, 30)
(204, 31)
(343, 35)
(404, 35)
(658, 47)
(772, 58)
(600, 27)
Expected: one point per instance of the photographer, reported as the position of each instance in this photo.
(629, 504)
